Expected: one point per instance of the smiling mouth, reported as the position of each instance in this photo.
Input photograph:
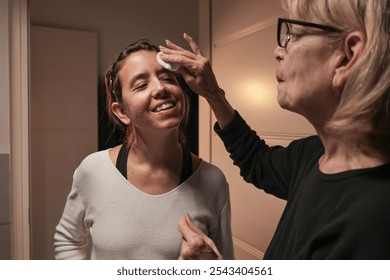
(163, 107)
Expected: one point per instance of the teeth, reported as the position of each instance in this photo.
(164, 107)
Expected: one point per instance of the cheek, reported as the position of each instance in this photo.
(307, 73)
(135, 106)
(182, 101)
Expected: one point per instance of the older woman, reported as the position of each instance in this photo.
(333, 69)
(129, 198)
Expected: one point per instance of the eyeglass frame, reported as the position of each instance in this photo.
(302, 23)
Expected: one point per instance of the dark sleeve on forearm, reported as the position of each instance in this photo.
(263, 166)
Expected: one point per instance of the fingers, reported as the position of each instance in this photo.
(171, 46)
(188, 253)
(194, 67)
(189, 231)
(175, 54)
(194, 46)
(184, 229)
(192, 226)
(195, 244)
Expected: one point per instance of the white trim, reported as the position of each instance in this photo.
(246, 31)
(283, 136)
(205, 115)
(256, 254)
(283, 139)
(19, 156)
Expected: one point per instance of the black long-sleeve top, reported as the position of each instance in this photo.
(327, 216)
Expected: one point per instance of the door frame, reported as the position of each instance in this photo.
(20, 135)
(19, 21)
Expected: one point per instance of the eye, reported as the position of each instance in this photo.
(168, 78)
(140, 86)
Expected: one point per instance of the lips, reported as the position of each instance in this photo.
(278, 76)
(163, 107)
(279, 79)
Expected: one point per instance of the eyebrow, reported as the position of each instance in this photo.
(145, 75)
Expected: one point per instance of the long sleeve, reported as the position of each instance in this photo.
(273, 169)
(223, 239)
(71, 236)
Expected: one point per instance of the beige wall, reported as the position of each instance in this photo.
(119, 22)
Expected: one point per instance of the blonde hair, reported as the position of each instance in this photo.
(365, 100)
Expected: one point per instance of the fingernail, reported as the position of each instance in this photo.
(167, 41)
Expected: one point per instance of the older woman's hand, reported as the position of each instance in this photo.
(195, 245)
(198, 74)
(194, 67)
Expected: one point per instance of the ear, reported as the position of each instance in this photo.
(118, 111)
(350, 52)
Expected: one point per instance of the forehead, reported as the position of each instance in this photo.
(139, 62)
(140, 59)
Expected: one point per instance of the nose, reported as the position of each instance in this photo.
(159, 90)
(278, 53)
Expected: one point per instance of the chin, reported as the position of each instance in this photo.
(281, 101)
(170, 124)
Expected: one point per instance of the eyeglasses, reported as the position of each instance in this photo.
(284, 33)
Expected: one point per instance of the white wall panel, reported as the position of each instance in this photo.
(63, 123)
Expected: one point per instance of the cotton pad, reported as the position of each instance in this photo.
(170, 67)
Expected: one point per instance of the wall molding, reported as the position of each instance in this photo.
(250, 250)
(282, 139)
(246, 31)
(283, 136)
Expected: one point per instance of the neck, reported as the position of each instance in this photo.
(156, 150)
(343, 153)
(155, 162)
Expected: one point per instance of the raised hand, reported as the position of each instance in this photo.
(198, 74)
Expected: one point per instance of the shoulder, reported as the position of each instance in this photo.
(306, 147)
(208, 183)
(211, 173)
(214, 184)
(92, 163)
(94, 158)
(95, 175)
(310, 141)
(196, 161)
